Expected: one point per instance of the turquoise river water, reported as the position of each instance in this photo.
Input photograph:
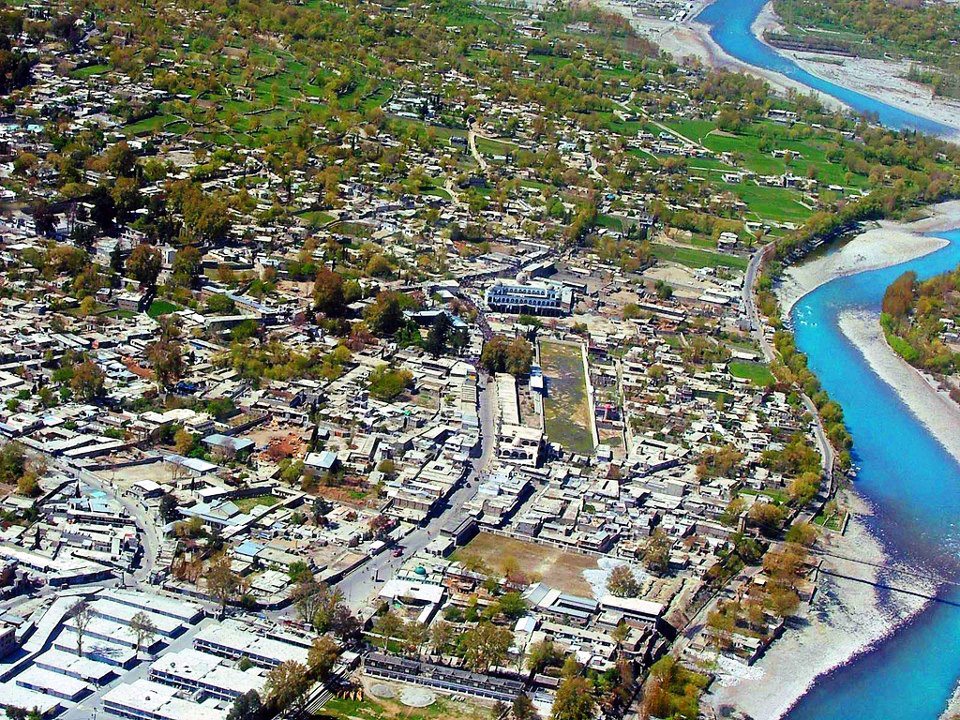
(913, 485)
(730, 22)
(911, 482)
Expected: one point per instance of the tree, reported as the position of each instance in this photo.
(522, 708)
(87, 382)
(415, 635)
(13, 461)
(574, 700)
(385, 315)
(287, 686)
(767, 517)
(387, 626)
(441, 635)
(183, 441)
(328, 296)
(387, 383)
(126, 196)
(81, 615)
(436, 342)
(501, 354)
(344, 623)
(142, 627)
(802, 533)
(246, 707)
(104, 210)
(513, 605)
(220, 304)
(485, 646)
(186, 266)
(322, 657)
(622, 582)
(656, 552)
(222, 581)
(43, 218)
(542, 654)
(166, 356)
(144, 265)
(168, 507)
(28, 485)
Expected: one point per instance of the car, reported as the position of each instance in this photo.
(397, 552)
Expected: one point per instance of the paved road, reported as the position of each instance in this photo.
(360, 585)
(142, 519)
(752, 315)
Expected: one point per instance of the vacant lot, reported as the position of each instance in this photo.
(557, 568)
(566, 408)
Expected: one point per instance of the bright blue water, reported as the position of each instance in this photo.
(730, 22)
(913, 485)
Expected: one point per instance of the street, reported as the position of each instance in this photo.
(359, 585)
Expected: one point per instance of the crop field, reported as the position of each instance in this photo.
(566, 407)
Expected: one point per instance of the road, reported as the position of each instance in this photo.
(142, 519)
(752, 315)
(472, 142)
(360, 585)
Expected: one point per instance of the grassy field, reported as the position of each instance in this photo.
(161, 307)
(556, 567)
(370, 708)
(248, 504)
(758, 373)
(566, 408)
(692, 257)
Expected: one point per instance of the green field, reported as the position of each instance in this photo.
(566, 409)
(161, 307)
(757, 373)
(248, 504)
(445, 708)
(695, 258)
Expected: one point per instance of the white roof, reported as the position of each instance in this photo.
(632, 606)
(159, 701)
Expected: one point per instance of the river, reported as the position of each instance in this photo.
(730, 24)
(913, 485)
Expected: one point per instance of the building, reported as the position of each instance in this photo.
(8, 639)
(148, 700)
(535, 298)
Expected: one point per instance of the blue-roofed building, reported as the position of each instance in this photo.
(227, 443)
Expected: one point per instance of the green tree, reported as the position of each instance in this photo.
(486, 645)
(387, 627)
(328, 292)
(87, 382)
(322, 657)
(186, 266)
(144, 265)
(287, 685)
(387, 383)
(246, 707)
(436, 342)
(574, 700)
(622, 582)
